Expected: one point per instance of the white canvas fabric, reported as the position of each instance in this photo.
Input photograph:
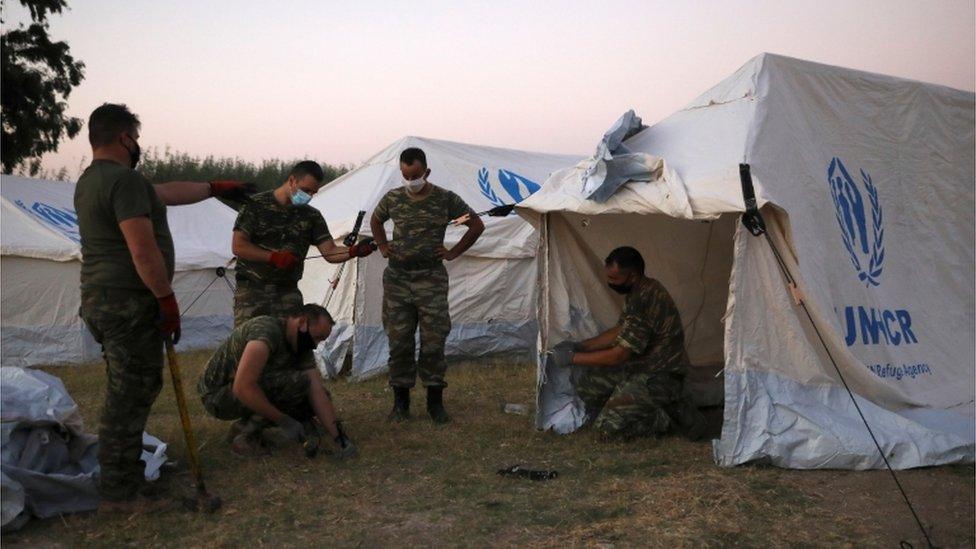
(41, 261)
(493, 285)
(866, 185)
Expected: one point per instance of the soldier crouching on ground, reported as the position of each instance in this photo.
(257, 372)
(633, 383)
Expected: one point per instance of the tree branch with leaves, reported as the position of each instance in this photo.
(38, 75)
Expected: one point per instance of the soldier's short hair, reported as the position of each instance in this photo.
(109, 121)
(307, 168)
(311, 312)
(411, 155)
(626, 257)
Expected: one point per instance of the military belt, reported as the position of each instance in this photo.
(415, 264)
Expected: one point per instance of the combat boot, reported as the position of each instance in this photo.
(690, 421)
(401, 405)
(435, 405)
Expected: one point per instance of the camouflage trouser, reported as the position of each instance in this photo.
(287, 391)
(251, 300)
(629, 402)
(412, 298)
(124, 323)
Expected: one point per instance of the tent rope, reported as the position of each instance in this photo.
(752, 220)
(497, 211)
(221, 272)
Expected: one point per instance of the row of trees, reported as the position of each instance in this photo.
(167, 165)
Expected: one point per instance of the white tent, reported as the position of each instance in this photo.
(41, 260)
(493, 286)
(866, 184)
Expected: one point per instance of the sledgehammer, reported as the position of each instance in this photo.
(203, 500)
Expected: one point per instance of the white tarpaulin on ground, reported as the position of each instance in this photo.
(493, 286)
(41, 260)
(866, 183)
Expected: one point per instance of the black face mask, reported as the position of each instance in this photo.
(134, 155)
(621, 288)
(304, 342)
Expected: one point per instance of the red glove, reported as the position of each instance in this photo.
(363, 249)
(283, 260)
(169, 317)
(233, 190)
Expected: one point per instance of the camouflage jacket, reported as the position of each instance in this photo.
(419, 225)
(274, 227)
(650, 328)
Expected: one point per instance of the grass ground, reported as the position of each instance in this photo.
(417, 484)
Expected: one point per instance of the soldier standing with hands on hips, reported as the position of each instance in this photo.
(415, 282)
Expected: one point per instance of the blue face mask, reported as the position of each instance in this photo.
(300, 198)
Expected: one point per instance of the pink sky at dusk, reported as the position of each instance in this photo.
(339, 81)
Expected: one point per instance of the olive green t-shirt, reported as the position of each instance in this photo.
(222, 366)
(650, 328)
(274, 227)
(419, 225)
(107, 194)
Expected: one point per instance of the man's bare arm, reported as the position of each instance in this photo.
(600, 342)
(243, 248)
(475, 227)
(246, 388)
(333, 253)
(614, 356)
(146, 256)
(379, 235)
(176, 193)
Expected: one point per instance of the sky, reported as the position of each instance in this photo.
(339, 81)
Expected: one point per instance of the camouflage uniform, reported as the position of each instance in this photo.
(121, 314)
(261, 288)
(641, 396)
(283, 383)
(415, 283)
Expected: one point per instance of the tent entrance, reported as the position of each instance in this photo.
(692, 259)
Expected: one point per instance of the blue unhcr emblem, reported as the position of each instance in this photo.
(864, 244)
(62, 220)
(517, 186)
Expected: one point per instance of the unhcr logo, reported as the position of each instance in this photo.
(62, 220)
(864, 243)
(515, 185)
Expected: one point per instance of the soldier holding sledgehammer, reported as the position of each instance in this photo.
(127, 300)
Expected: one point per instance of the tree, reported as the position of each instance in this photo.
(180, 166)
(37, 75)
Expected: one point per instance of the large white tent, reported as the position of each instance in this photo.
(866, 184)
(41, 260)
(493, 286)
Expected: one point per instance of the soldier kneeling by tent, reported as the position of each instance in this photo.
(252, 378)
(633, 380)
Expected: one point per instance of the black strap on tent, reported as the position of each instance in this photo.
(751, 218)
(753, 221)
(348, 241)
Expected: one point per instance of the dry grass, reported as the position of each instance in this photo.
(417, 484)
